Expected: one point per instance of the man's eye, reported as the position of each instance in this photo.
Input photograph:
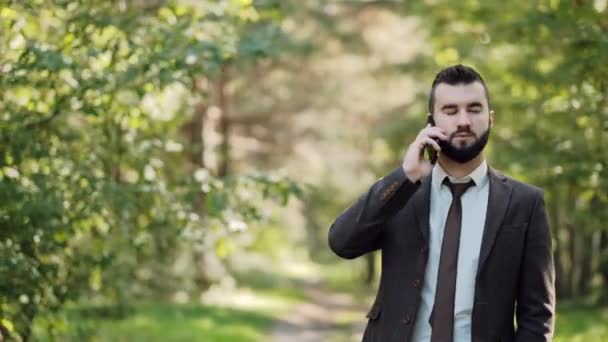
(475, 110)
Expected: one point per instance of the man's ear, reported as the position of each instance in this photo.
(491, 118)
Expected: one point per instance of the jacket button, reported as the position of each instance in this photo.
(417, 283)
(423, 249)
(407, 319)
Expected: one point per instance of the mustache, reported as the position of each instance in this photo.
(466, 130)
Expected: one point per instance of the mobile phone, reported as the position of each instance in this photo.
(430, 151)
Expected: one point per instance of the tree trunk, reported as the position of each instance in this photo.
(224, 123)
(370, 274)
(196, 149)
(310, 212)
(586, 260)
(5, 334)
(558, 251)
(195, 135)
(29, 312)
(572, 251)
(603, 265)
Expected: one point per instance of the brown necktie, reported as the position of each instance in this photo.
(442, 317)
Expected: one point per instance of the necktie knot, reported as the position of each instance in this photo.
(457, 189)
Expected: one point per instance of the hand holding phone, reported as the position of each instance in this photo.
(414, 164)
(430, 150)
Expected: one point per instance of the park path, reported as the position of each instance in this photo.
(326, 316)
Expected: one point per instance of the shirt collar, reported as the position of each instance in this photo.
(479, 176)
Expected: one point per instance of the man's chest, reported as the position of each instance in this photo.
(474, 211)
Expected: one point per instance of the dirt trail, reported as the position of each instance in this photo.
(327, 316)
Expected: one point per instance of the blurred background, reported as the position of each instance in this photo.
(169, 169)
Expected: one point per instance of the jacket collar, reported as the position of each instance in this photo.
(498, 203)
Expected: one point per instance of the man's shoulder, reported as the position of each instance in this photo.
(521, 187)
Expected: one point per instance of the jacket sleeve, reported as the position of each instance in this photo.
(358, 229)
(535, 312)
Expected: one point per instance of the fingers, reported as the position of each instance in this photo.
(434, 132)
(429, 141)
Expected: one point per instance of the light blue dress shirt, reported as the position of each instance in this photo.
(474, 208)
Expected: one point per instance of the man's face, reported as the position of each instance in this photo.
(462, 112)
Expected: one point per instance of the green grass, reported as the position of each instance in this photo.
(165, 321)
(580, 323)
(268, 295)
(162, 321)
(190, 322)
(348, 276)
(170, 322)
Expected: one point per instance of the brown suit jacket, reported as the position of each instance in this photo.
(515, 277)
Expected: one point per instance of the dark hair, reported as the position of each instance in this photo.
(453, 75)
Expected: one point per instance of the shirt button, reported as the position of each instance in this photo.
(407, 319)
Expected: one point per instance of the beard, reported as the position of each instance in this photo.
(465, 153)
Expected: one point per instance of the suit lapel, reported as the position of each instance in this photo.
(422, 206)
(498, 202)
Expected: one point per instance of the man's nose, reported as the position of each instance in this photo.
(463, 119)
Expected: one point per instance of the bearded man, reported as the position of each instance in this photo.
(466, 251)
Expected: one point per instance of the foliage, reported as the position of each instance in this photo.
(95, 188)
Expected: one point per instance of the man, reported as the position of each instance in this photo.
(464, 248)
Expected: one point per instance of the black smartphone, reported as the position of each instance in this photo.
(430, 151)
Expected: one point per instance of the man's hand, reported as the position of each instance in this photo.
(414, 164)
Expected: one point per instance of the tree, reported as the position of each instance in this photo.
(95, 192)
